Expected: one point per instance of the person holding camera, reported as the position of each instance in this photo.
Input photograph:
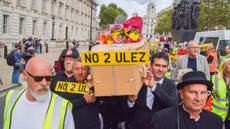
(25, 58)
(16, 73)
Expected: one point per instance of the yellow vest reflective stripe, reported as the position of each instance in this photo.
(55, 117)
(225, 57)
(167, 75)
(220, 102)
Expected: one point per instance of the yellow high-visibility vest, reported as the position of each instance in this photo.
(220, 102)
(50, 121)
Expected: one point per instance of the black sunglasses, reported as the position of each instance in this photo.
(40, 78)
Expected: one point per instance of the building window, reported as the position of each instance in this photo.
(52, 8)
(146, 36)
(152, 11)
(224, 27)
(44, 6)
(59, 11)
(65, 13)
(44, 29)
(21, 26)
(5, 24)
(152, 20)
(147, 25)
(151, 30)
(20, 2)
(33, 4)
(34, 27)
(147, 30)
(71, 15)
(151, 25)
(60, 31)
(76, 32)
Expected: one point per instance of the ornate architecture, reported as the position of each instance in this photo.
(149, 21)
(135, 13)
(24, 18)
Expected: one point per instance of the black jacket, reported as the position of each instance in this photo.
(164, 97)
(86, 116)
(166, 119)
(60, 76)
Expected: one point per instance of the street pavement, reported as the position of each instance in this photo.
(6, 76)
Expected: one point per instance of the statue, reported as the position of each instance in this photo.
(187, 15)
(195, 15)
(174, 18)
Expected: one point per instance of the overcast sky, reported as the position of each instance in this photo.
(131, 5)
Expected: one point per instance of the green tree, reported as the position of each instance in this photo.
(214, 12)
(164, 23)
(108, 14)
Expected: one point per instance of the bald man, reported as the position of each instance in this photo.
(212, 60)
(37, 107)
(192, 60)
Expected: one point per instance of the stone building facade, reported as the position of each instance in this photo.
(149, 21)
(24, 18)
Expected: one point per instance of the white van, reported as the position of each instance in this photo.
(220, 39)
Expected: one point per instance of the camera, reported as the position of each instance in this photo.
(25, 56)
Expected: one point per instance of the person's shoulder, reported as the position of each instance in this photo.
(182, 57)
(165, 113)
(212, 116)
(59, 74)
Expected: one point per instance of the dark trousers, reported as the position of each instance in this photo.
(227, 124)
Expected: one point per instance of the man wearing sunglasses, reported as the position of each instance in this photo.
(67, 73)
(37, 107)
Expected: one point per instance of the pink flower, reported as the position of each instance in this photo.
(118, 39)
(107, 33)
(117, 26)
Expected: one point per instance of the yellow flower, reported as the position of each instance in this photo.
(115, 35)
(126, 32)
(134, 37)
(109, 42)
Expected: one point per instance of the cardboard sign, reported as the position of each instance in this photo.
(115, 57)
(182, 51)
(72, 87)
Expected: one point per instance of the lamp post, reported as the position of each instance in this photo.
(91, 18)
(207, 27)
(53, 18)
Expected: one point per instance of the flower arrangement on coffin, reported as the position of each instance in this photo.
(128, 32)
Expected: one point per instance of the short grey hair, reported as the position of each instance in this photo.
(188, 45)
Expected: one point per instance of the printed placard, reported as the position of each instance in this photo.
(115, 57)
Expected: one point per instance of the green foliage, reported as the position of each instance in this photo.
(164, 23)
(212, 12)
(108, 14)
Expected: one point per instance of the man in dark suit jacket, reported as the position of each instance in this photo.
(156, 93)
(194, 92)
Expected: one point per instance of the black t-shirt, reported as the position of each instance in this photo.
(60, 76)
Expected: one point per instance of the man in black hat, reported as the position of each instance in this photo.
(67, 73)
(190, 114)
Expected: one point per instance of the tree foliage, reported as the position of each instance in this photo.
(212, 13)
(109, 13)
(164, 23)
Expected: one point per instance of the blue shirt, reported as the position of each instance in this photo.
(192, 64)
(17, 55)
(30, 38)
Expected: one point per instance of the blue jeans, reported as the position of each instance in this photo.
(15, 75)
